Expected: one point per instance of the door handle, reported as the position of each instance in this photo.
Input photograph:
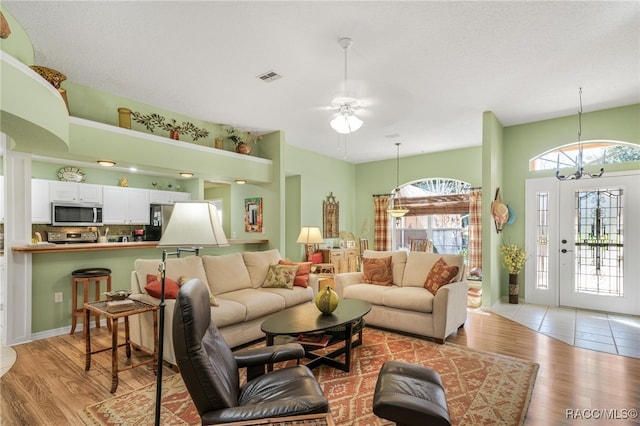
(565, 251)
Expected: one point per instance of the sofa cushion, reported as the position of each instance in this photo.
(440, 274)
(377, 270)
(257, 303)
(154, 287)
(226, 273)
(373, 294)
(302, 275)
(409, 299)
(295, 296)
(190, 266)
(420, 263)
(280, 276)
(228, 312)
(398, 261)
(258, 262)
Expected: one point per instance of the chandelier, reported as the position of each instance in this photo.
(346, 121)
(579, 161)
(395, 206)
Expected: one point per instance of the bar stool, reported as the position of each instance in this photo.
(84, 277)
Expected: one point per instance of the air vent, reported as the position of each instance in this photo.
(269, 76)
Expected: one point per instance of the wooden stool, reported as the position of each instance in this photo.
(85, 276)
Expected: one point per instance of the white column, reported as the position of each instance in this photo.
(17, 232)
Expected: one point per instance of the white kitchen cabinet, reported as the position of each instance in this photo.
(157, 196)
(129, 206)
(40, 201)
(74, 191)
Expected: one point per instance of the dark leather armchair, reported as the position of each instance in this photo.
(210, 370)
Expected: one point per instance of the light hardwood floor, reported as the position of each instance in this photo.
(48, 384)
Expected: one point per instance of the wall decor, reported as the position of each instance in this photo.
(71, 174)
(499, 211)
(253, 214)
(151, 121)
(330, 217)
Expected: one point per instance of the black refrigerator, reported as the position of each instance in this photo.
(159, 215)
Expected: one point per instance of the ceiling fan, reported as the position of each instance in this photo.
(346, 121)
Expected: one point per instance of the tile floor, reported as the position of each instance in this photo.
(599, 331)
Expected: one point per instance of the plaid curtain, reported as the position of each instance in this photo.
(474, 258)
(381, 224)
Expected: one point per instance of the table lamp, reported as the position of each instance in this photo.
(194, 224)
(310, 236)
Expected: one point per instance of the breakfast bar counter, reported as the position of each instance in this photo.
(63, 248)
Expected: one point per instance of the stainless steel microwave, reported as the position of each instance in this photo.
(68, 213)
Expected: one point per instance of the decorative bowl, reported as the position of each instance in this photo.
(118, 294)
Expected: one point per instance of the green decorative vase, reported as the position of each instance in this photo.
(327, 300)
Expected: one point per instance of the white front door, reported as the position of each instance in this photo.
(584, 241)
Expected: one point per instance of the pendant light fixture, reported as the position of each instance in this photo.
(579, 162)
(346, 121)
(395, 206)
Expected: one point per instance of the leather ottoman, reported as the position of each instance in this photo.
(410, 394)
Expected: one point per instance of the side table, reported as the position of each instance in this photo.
(100, 308)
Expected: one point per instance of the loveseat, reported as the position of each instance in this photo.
(240, 300)
(405, 304)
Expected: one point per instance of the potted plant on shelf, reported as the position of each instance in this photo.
(242, 140)
(513, 258)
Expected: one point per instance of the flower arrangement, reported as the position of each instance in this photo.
(513, 257)
(238, 137)
(152, 120)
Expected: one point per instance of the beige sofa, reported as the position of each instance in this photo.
(235, 280)
(406, 305)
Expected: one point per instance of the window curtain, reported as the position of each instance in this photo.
(381, 224)
(474, 259)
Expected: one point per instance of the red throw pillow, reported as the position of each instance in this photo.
(377, 270)
(302, 276)
(315, 257)
(154, 287)
(440, 274)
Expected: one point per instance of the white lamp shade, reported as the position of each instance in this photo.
(346, 123)
(193, 224)
(310, 235)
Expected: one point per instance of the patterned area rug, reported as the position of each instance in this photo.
(481, 387)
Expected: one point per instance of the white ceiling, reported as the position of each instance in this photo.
(428, 70)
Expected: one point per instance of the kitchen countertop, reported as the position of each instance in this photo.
(59, 248)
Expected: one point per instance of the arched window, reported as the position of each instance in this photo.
(438, 211)
(593, 153)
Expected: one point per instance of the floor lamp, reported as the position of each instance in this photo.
(310, 236)
(194, 224)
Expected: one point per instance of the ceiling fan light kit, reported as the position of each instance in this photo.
(346, 121)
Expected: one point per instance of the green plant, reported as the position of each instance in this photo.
(152, 121)
(513, 257)
(238, 137)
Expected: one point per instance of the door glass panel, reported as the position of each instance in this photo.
(542, 240)
(599, 248)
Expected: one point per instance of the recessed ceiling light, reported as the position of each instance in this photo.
(186, 174)
(106, 163)
(241, 181)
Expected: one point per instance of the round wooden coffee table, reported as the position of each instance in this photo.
(340, 326)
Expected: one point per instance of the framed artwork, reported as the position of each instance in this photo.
(330, 217)
(253, 214)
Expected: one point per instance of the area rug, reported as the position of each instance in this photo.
(481, 387)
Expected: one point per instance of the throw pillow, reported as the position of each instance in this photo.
(377, 270)
(212, 299)
(302, 276)
(280, 276)
(440, 274)
(154, 287)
